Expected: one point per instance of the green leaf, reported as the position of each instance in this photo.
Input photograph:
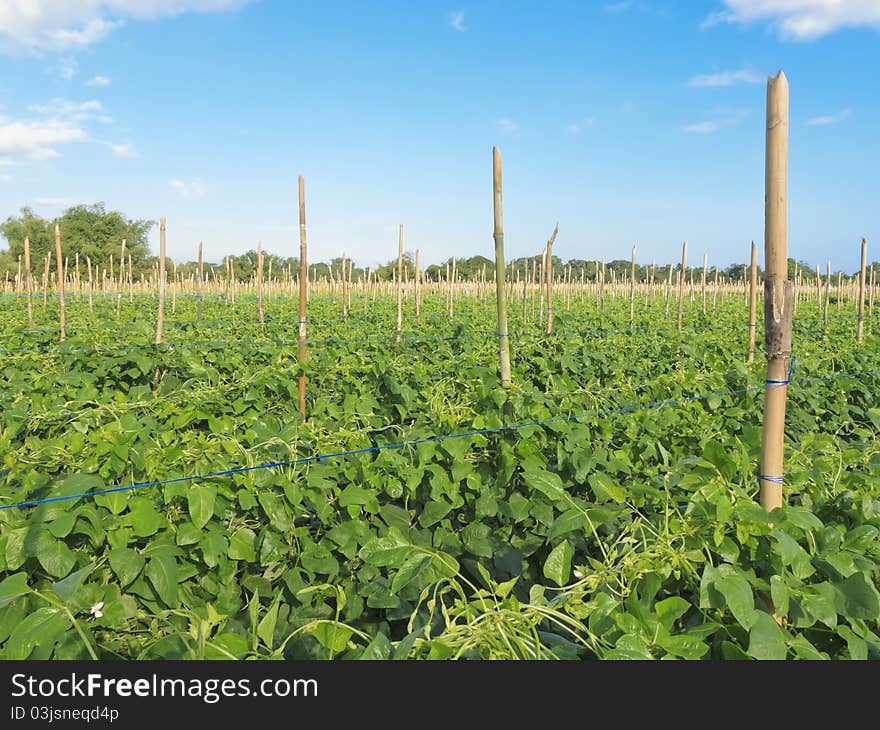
(13, 587)
(65, 588)
(386, 551)
(414, 566)
(44, 628)
(241, 545)
(56, 558)
(557, 567)
(162, 574)
(332, 635)
(200, 500)
(738, 598)
(378, 649)
(433, 512)
(605, 488)
(766, 639)
(546, 482)
(266, 628)
(670, 610)
(127, 564)
(860, 597)
(684, 646)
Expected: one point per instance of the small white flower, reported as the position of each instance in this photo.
(96, 609)
(578, 574)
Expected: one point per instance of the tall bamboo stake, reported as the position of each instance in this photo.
(778, 304)
(199, 277)
(46, 277)
(860, 331)
(548, 269)
(30, 281)
(703, 283)
(500, 291)
(753, 302)
(160, 315)
(681, 279)
(59, 262)
(632, 287)
(92, 285)
(260, 286)
(399, 281)
(303, 283)
(827, 293)
(418, 285)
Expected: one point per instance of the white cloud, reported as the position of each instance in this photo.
(508, 126)
(799, 19)
(456, 21)
(98, 81)
(61, 202)
(64, 24)
(830, 118)
(66, 109)
(124, 150)
(727, 78)
(194, 189)
(718, 119)
(39, 138)
(36, 140)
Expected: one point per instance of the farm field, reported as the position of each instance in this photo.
(603, 507)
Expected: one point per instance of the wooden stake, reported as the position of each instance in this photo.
(753, 302)
(632, 287)
(399, 281)
(199, 277)
(418, 286)
(500, 291)
(260, 286)
(778, 303)
(827, 293)
(681, 279)
(303, 283)
(30, 281)
(860, 331)
(160, 315)
(548, 269)
(703, 283)
(59, 264)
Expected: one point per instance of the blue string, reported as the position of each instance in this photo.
(774, 479)
(415, 442)
(787, 378)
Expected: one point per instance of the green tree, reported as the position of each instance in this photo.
(87, 230)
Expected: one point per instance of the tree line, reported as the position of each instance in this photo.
(96, 233)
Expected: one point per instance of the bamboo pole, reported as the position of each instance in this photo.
(160, 315)
(59, 263)
(778, 304)
(46, 277)
(681, 279)
(30, 283)
(452, 287)
(632, 287)
(399, 282)
(418, 286)
(703, 282)
(500, 291)
(860, 331)
(173, 288)
(753, 302)
(548, 270)
(827, 293)
(199, 277)
(260, 286)
(303, 284)
(92, 285)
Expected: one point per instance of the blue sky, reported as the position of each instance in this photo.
(627, 122)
